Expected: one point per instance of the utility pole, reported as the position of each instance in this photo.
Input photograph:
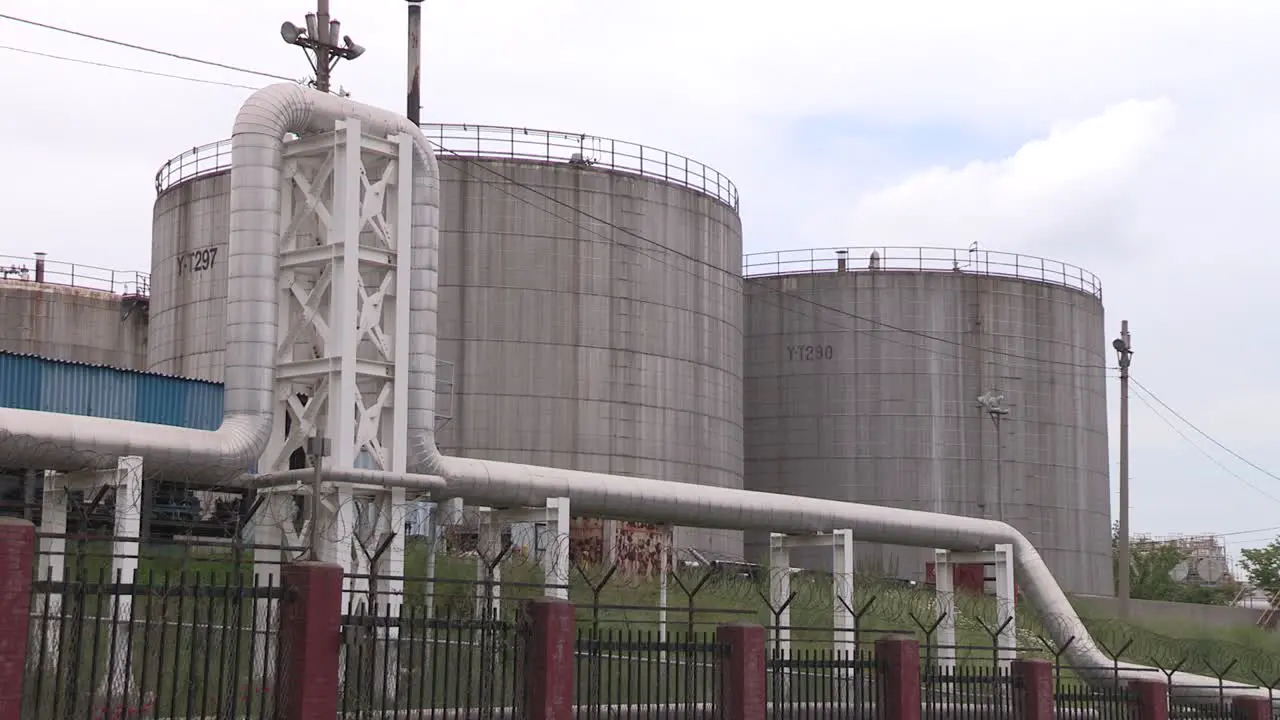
(318, 39)
(1124, 353)
(414, 99)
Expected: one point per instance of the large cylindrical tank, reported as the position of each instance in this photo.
(863, 376)
(73, 312)
(569, 336)
(190, 227)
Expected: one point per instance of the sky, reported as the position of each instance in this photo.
(1136, 139)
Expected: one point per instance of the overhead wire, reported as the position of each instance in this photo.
(125, 68)
(144, 48)
(1142, 397)
(1202, 433)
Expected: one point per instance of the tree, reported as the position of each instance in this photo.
(1263, 565)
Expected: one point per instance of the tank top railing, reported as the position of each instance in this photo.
(973, 261)
(494, 141)
(37, 269)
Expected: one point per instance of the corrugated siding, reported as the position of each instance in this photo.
(29, 382)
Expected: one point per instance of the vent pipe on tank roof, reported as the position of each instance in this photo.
(842, 260)
(40, 266)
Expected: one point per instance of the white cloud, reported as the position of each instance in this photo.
(1078, 173)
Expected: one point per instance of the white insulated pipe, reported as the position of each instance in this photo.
(56, 441)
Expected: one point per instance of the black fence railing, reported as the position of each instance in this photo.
(429, 667)
(171, 646)
(1213, 708)
(625, 673)
(981, 693)
(827, 683)
(1097, 702)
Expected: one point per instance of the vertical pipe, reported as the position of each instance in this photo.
(322, 45)
(40, 266)
(414, 98)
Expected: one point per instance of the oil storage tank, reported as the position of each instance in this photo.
(590, 304)
(190, 228)
(73, 312)
(967, 382)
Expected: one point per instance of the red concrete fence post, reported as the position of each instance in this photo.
(1152, 699)
(17, 559)
(898, 664)
(1034, 688)
(549, 661)
(310, 641)
(17, 556)
(742, 672)
(1251, 708)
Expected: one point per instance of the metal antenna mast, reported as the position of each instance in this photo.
(318, 40)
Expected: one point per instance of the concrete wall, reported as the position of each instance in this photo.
(70, 323)
(843, 409)
(1158, 611)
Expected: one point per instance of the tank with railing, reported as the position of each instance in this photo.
(38, 269)
(973, 261)
(492, 141)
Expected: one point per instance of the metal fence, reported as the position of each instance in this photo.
(172, 646)
(973, 261)
(824, 683)
(968, 692)
(405, 660)
(1072, 698)
(495, 141)
(90, 277)
(626, 673)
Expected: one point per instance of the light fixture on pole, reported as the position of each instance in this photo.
(317, 37)
(992, 403)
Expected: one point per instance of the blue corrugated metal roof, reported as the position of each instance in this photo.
(31, 382)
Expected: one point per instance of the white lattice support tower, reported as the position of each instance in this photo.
(945, 562)
(343, 354)
(840, 545)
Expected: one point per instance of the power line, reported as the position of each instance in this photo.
(140, 71)
(143, 48)
(1206, 435)
(1142, 397)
